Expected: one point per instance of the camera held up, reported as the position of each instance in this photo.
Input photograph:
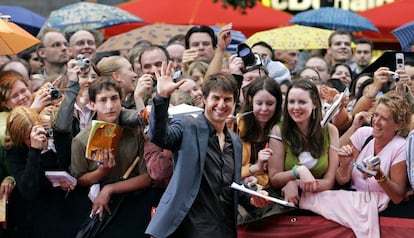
(54, 93)
(83, 62)
(49, 132)
(249, 58)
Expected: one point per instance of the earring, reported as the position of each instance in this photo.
(313, 114)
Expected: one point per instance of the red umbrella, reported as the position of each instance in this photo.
(388, 17)
(206, 12)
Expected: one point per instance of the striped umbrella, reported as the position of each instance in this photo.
(333, 18)
(405, 35)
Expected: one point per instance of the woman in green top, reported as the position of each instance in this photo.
(305, 157)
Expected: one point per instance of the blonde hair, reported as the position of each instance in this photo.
(199, 65)
(20, 121)
(108, 65)
(400, 108)
(179, 97)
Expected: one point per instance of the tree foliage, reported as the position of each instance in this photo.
(242, 5)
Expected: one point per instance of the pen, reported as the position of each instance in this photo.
(245, 114)
(67, 193)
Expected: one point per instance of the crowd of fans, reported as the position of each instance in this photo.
(261, 127)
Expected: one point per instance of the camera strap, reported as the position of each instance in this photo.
(369, 138)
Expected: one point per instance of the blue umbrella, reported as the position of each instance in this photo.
(26, 19)
(405, 35)
(333, 19)
(237, 37)
(86, 15)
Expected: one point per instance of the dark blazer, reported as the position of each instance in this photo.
(188, 137)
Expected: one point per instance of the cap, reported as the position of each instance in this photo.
(278, 71)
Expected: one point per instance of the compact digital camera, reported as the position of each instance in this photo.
(373, 160)
(54, 93)
(49, 132)
(83, 62)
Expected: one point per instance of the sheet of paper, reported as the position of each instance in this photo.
(249, 191)
(3, 205)
(56, 177)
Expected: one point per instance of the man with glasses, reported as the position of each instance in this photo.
(54, 52)
(319, 64)
(83, 42)
(176, 51)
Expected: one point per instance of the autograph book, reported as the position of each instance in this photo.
(103, 135)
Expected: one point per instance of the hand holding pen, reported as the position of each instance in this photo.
(106, 159)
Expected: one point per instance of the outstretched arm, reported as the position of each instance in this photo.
(223, 41)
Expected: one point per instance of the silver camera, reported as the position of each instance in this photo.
(54, 93)
(83, 62)
(373, 160)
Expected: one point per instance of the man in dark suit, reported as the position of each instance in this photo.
(198, 201)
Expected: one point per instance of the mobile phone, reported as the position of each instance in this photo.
(364, 169)
(399, 61)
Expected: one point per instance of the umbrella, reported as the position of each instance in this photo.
(156, 33)
(86, 15)
(293, 37)
(207, 12)
(405, 35)
(14, 39)
(399, 13)
(333, 18)
(26, 19)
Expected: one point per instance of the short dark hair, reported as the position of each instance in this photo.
(151, 48)
(266, 45)
(365, 41)
(220, 81)
(340, 32)
(200, 29)
(333, 69)
(27, 53)
(177, 39)
(103, 83)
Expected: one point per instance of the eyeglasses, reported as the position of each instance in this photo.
(58, 45)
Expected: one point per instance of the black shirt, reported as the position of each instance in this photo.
(212, 213)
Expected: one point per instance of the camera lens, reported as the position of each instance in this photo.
(244, 52)
(54, 93)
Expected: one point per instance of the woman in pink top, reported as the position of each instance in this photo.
(359, 209)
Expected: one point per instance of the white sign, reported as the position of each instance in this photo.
(303, 5)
